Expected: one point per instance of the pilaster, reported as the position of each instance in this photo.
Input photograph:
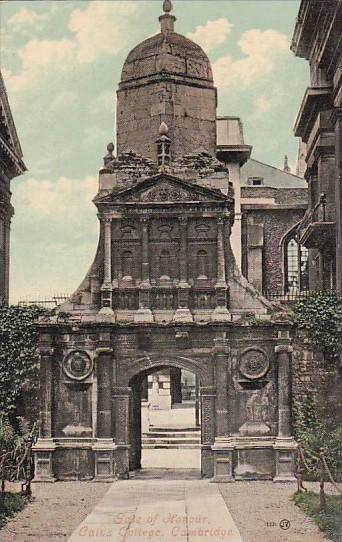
(221, 313)
(285, 445)
(144, 314)
(106, 289)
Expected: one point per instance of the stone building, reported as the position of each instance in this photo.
(317, 38)
(11, 165)
(164, 292)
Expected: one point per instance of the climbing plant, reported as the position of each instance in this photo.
(18, 365)
(320, 315)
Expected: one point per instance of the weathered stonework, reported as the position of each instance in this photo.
(164, 292)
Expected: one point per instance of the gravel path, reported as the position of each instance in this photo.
(55, 511)
(258, 508)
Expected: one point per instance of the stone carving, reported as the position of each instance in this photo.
(168, 193)
(254, 364)
(77, 365)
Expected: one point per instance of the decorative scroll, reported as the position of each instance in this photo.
(77, 365)
(254, 364)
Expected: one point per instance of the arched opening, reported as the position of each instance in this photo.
(165, 422)
(202, 264)
(127, 264)
(296, 276)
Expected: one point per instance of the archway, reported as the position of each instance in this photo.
(178, 432)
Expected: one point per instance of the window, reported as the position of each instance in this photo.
(255, 181)
(296, 266)
(202, 264)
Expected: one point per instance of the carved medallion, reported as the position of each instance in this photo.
(77, 365)
(254, 363)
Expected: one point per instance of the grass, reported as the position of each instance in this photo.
(328, 520)
(14, 502)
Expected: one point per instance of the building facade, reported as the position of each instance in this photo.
(165, 293)
(11, 165)
(318, 39)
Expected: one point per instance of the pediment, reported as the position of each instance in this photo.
(165, 189)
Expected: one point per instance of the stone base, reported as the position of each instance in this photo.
(223, 460)
(183, 315)
(221, 314)
(285, 449)
(43, 453)
(104, 460)
(143, 316)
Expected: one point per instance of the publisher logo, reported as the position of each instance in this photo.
(284, 524)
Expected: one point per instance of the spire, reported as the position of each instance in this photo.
(287, 168)
(167, 20)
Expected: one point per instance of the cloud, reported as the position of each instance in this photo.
(26, 19)
(261, 50)
(61, 200)
(100, 29)
(265, 103)
(104, 102)
(212, 34)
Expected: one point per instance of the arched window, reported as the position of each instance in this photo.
(296, 266)
(202, 264)
(165, 264)
(127, 264)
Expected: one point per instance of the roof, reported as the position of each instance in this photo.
(271, 175)
(167, 52)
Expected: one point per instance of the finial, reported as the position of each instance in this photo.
(109, 157)
(110, 148)
(167, 21)
(167, 6)
(163, 129)
(287, 168)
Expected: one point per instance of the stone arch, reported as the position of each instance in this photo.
(153, 362)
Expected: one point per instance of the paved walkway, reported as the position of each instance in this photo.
(159, 511)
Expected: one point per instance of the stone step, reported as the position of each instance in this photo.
(175, 429)
(148, 446)
(172, 434)
(170, 441)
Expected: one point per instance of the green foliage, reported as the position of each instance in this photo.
(314, 435)
(18, 340)
(328, 520)
(14, 502)
(320, 315)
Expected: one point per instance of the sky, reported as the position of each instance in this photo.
(61, 62)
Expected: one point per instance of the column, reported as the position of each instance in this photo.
(104, 370)
(223, 447)
(221, 352)
(221, 312)
(144, 314)
(183, 313)
(284, 446)
(104, 445)
(106, 289)
(207, 403)
(45, 446)
(121, 399)
(338, 198)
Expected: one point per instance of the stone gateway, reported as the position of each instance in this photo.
(164, 292)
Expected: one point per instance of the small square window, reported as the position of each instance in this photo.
(255, 181)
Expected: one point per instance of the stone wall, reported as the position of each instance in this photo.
(266, 249)
(313, 375)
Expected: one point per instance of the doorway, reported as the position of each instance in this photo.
(165, 423)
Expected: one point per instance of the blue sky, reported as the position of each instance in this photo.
(61, 63)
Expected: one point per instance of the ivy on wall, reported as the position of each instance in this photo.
(320, 315)
(18, 365)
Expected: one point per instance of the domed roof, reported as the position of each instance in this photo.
(168, 53)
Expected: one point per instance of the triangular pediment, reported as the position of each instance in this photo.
(164, 188)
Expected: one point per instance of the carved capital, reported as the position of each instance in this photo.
(283, 348)
(45, 351)
(221, 346)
